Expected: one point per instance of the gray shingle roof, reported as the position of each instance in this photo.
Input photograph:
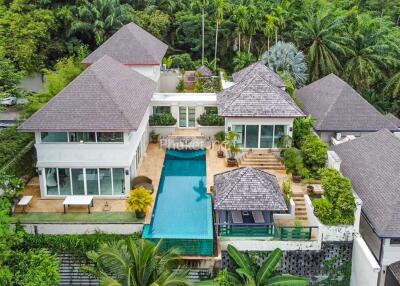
(256, 97)
(205, 71)
(131, 45)
(393, 119)
(395, 269)
(338, 107)
(372, 163)
(247, 189)
(107, 96)
(260, 69)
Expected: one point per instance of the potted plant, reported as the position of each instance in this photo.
(233, 149)
(139, 201)
(294, 163)
(219, 138)
(154, 137)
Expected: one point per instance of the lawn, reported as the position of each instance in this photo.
(97, 217)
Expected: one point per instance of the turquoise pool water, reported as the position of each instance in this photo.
(182, 215)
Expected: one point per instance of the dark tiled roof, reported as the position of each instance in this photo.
(131, 45)
(260, 69)
(107, 96)
(372, 163)
(205, 71)
(338, 107)
(256, 97)
(393, 119)
(247, 189)
(395, 269)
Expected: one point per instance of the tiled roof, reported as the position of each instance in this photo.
(395, 269)
(256, 97)
(247, 189)
(393, 119)
(372, 163)
(260, 69)
(107, 96)
(131, 45)
(205, 71)
(338, 107)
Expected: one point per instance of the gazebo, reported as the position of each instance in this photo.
(245, 200)
(205, 71)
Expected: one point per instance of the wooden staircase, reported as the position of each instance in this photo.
(300, 211)
(264, 160)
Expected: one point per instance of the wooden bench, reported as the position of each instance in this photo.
(24, 201)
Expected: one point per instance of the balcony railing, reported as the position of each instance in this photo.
(265, 230)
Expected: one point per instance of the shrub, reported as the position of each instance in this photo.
(183, 61)
(287, 190)
(181, 86)
(293, 161)
(211, 119)
(139, 200)
(334, 184)
(314, 153)
(302, 127)
(199, 86)
(323, 209)
(11, 186)
(163, 119)
(219, 137)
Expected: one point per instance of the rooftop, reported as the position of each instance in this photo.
(256, 97)
(131, 45)
(205, 71)
(107, 96)
(372, 163)
(338, 107)
(248, 189)
(260, 69)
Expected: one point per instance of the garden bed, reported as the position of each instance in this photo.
(97, 217)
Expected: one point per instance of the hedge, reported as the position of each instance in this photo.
(163, 119)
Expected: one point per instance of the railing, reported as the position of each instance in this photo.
(266, 230)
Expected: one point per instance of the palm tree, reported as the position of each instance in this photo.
(251, 275)
(393, 85)
(135, 263)
(255, 20)
(242, 60)
(241, 18)
(320, 35)
(270, 27)
(202, 4)
(221, 6)
(101, 18)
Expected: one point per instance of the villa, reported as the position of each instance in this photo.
(95, 137)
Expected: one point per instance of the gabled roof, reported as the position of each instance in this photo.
(260, 69)
(256, 97)
(131, 45)
(107, 96)
(338, 107)
(247, 189)
(205, 71)
(393, 119)
(372, 163)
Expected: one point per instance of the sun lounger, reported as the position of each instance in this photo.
(237, 217)
(24, 201)
(258, 217)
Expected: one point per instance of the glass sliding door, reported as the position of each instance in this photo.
(267, 134)
(278, 133)
(191, 117)
(252, 136)
(51, 181)
(239, 129)
(187, 116)
(78, 182)
(105, 181)
(118, 181)
(64, 179)
(182, 116)
(92, 182)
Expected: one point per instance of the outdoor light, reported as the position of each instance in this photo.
(39, 172)
(127, 172)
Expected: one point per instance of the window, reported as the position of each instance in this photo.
(161, 109)
(239, 129)
(278, 133)
(54, 136)
(182, 116)
(267, 134)
(395, 241)
(82, 136)
(110, 137)
(252, 136)
(118, 181)
(64, 178)
(105, 181)
(51, 181)
(92, 182)
(78, 182)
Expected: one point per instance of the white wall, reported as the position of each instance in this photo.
(152, 72)
(260, 244)
(391, 253)
(289, 216)
(169, 80)
(364, 269)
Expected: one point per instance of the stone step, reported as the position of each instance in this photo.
(260, 159)
(260, 164)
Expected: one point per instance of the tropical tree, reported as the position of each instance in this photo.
(202, 4)
(320, 35)
(256, 23)
(285, 57)
(220, 6)
(9, 76)
(393, 86)
(135, 263)
(270, 27)
(101, 18)
(241, 18)
(251, 275)
(242, 60)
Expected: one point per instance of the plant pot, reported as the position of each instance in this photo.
(140, 214)
(232, 162)
(310, 189)
(296, 178)
(220, 154)
(154, 141)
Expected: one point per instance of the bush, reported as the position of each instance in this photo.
(183, 61)
(302, 127)
(11, 186)
(211, 119)
(163, 119)
(199, 86)
(314, 153)
(287, 190)
(323, 209)
(181, 86)
(293, 161)
(11, 143)
(139, 200)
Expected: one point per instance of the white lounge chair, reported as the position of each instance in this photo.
(237, 217)
(258, 217)
(24, 201)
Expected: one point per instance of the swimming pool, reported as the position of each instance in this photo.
(182, 215)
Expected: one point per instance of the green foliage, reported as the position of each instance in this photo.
(11, 143)
(337, 273)
(9, 76)
(115, 263)
(11, 186)
(211, 119)
(287, 190)
(183, 61)
(302, 127)
(181, 86)
(338, 206)
(155, 22)
(314, 153)
(242, 60)
(293, 161)
(220, 137)
(163, 119)
(35, 268)
(139, 200)
(199, 86)
(230, 143)
(167, 61)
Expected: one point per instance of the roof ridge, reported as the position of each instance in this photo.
(133, 24)
(231, 188)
